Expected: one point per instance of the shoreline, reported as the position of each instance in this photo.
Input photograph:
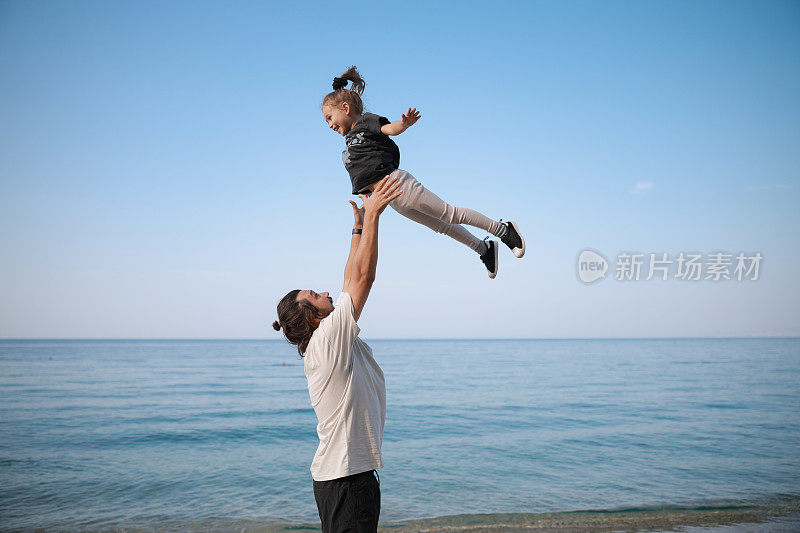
(627, 519)
(779, 514)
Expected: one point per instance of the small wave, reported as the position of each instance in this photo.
(264, 434)
(260, 435)
(733, 406)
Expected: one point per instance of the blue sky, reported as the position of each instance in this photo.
(165, 171)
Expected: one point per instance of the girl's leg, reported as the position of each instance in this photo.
(455, 231)
(417, 198)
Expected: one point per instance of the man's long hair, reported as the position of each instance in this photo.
(297, 320)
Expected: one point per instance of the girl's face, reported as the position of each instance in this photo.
(339, 118)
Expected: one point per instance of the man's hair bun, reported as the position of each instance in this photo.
(276, 326)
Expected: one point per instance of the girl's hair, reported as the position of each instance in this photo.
(297, 320)
(352, 95)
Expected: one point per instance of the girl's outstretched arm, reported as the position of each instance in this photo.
(399, 126)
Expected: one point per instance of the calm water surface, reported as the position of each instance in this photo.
(95, 433)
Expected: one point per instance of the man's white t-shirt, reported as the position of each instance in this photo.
(348, 394)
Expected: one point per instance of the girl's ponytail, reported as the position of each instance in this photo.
(352, 95)
(350, 75)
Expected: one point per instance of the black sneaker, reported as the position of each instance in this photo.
(490, 257)
(513, 239)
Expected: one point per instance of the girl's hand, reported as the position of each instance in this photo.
(358, 214)
(410, 118)
(384, 192)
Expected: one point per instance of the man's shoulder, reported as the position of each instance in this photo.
(342, 314)
(344, 297)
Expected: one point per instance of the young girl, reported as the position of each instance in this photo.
(371, 154)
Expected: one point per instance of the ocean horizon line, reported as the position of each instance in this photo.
(405, 339)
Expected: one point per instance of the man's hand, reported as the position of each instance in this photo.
(410, 118)
(358, 214)
(383, 193)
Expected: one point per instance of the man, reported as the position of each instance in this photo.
(345, 383)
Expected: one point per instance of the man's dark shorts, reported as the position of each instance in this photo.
(349, 504)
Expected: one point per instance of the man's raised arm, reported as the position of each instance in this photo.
(358, 226)
(363, 265)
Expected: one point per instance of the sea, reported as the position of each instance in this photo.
(481, 435)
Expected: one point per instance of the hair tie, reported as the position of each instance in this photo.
(339, 83)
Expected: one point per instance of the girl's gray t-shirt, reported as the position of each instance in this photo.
(370, 154)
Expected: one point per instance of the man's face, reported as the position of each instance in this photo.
(320, 300)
